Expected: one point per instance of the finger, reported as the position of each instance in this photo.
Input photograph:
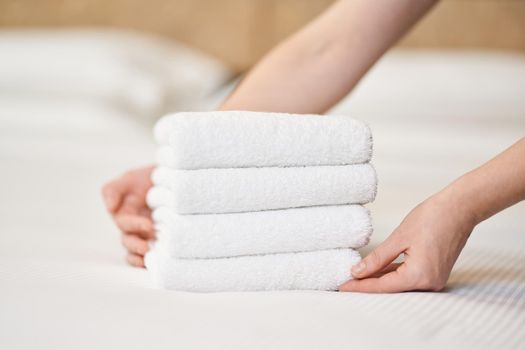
(378, 259)
(112, 193)
(388, 269)
(144, 211)
(134, 224)
(135, 245)
(393, 282)
(133, 204)
(135, 260)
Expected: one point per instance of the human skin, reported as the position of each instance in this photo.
(319, 65)
(309, 73)
(433, 234)
(125, 200)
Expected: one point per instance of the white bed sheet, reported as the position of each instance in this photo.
(64, 283)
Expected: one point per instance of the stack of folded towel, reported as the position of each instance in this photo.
(259, 201)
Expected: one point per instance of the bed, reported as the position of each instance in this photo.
(66, 128)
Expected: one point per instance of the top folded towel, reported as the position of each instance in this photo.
(236, 139)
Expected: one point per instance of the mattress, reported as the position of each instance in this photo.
(64, 282)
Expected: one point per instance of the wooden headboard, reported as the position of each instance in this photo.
(240, 31)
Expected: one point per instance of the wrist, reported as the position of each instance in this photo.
(460, 203)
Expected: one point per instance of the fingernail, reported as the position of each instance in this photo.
(359, 267)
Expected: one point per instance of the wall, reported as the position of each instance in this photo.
(240, 31)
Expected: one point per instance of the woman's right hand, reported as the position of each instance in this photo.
(431, 238)
(125, 199)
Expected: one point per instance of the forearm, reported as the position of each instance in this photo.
(496, 185)
(319, 65)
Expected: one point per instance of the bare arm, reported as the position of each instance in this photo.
(496, 185)
(319, 65)
(433, 234)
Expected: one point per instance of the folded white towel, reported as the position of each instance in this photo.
(262, 232)
(232, 139)
(318, 270)
(252, 189)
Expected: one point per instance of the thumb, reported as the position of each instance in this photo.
(378, 259)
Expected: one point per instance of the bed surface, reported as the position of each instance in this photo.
(64, 283)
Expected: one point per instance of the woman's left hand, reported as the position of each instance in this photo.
(125, 199)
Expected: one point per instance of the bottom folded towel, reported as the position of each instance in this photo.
(317, 270)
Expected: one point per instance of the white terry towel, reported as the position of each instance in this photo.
(233, 139)
(262, 232)
(317, 270)
(252, 189)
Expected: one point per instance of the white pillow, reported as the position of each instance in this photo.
(141, 74)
